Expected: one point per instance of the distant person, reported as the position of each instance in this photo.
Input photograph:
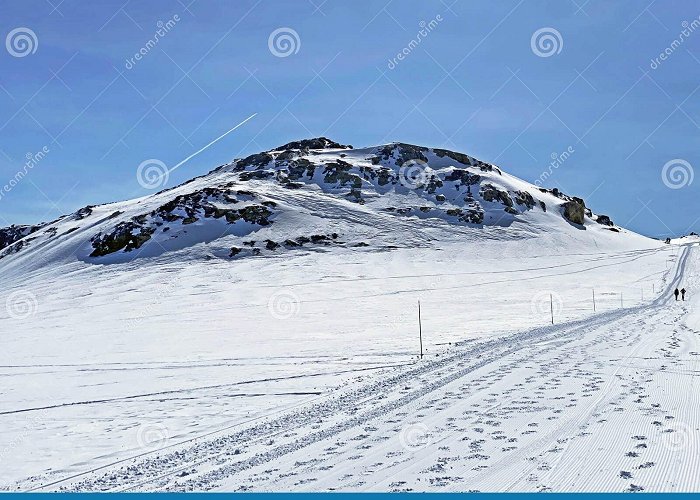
(676, 293)
(683, 293)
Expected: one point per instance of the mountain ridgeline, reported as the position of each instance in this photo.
(312, 194)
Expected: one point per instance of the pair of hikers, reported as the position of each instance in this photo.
(682, 292)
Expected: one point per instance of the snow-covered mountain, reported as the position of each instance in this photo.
(220, 333)
(311, 194)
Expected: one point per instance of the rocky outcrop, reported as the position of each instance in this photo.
(574, 211)
(208, 203)
(125, 235)
(316, 143)
(13, 233)
(258, 160)
(604, 220)
(402, 152)
(489, 192)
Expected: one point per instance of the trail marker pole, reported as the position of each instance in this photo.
(642, 294)
(594, 300)
(551, 306)
(622, 304)
(420, 332)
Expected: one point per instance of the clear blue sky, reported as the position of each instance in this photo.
(473, 84)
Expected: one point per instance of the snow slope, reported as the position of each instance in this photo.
(119, 350)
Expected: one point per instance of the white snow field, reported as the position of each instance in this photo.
(165, 360)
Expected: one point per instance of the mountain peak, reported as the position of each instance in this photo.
(315, 143)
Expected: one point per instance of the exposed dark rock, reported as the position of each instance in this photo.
(125, 235)
(256, 174)
(234, 251)
(458, 157)
(84, 212)
(405, 152)
(257, 160)
(605, 220)
(13, 233)
(339, 173)
(489, 192)
(317, 143)
(464, 176)
(574, 211)
(524, 198)
(300, 168)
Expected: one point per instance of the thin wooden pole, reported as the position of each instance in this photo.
(420, 331)
(551, 306)
(594, 300)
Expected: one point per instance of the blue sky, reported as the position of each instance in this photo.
(475, 83)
